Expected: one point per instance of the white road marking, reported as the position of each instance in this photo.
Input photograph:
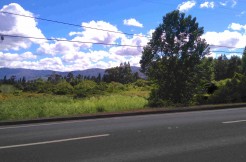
(37, 125)
(235, 121)
(48, 124)
(54, 141)
(91, 120)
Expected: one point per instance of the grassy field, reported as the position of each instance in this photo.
(32, 106)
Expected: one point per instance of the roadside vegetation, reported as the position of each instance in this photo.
(72, 95)
(178, 69)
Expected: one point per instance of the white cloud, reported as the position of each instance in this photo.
(226, 38)
(132, 22)
(207, 5)
(185, 6)
(10, 59)
(137, 40)
(28, 55)
(223, 3)
(18, 25)
(233, 3)
(96, 36)
(59, 47)
(237, 27)
(64, 55)
(241, 14)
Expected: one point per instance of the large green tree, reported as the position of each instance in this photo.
(122, 74)
(172, 57)
(244, 61)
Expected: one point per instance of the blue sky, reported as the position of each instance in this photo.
(224, 22)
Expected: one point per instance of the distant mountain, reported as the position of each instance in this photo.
(35, 74)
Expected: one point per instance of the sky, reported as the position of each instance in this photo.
(75, 46)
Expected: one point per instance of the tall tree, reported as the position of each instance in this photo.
(234, 66)
(122, 74)
(221, 68)
(171, 59)
(244, 61)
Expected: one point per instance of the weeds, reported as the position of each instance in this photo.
(31, 106)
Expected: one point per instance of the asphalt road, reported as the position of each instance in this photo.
(218, 135)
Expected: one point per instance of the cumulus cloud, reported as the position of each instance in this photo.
(64, 55)
(17, 25)
(9, 59)
(233, 3)
(241, 14)
(59, 47)
(237, 27)
(186, 6)
(207, 5)
(54, 63)
(132, 22)
(97, 36)
(226, 38)
(137, 40)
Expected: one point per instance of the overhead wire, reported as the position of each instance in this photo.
(71, 24)
(101, 43)
(64, 40)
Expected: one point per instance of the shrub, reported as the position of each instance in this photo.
(232, 91)
(63, 88)
(85, 88)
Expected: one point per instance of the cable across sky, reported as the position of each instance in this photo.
(71, 24)
(109, 44)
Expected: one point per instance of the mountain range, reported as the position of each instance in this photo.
(30, 74)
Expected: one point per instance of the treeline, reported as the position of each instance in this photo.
(224, 80)
(80, 86)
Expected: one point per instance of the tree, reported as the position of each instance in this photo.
(69, 77)
(221, 68)
(234, 66)
(171, 59)
(63, 88)
(85, 88)
(122, 74)
(244, 61)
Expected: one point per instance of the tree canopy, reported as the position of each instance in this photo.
(171, 59)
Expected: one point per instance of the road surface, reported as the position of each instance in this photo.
(218, 135)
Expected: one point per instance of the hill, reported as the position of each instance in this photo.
(30, 74)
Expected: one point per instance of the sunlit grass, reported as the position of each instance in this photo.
(32, 106)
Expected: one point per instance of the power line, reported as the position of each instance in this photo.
(72, 41)
(221, 46)
(226, 52)
(70, 24)
(101, 43)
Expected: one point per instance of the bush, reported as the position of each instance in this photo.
(155, 100)
(7, 88)
(63, 88)
(116, 87)
(85, 88)
(231, 92)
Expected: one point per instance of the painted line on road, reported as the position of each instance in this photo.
(47, 124)
(37, 125)
(235, 121)
(53, 141)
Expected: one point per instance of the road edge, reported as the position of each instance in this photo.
(127, 113)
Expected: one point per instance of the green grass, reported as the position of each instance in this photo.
(32, 106)
(7, 89)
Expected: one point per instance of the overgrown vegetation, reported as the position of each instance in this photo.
(175, 61)
(31, 106)
(71, 95)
